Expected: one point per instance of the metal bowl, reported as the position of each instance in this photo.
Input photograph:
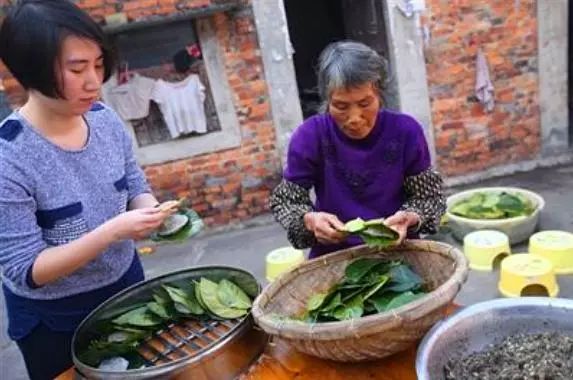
(473, 328)
(223, 357)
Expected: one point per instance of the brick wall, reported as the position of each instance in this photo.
(468, 138)
(226, 186)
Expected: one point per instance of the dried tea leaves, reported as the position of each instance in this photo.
(524, 356)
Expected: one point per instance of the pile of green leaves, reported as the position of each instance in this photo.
(373, 232)
(121, 334)
(369, 286)
(493, 205)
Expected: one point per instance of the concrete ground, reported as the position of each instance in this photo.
(245, 246)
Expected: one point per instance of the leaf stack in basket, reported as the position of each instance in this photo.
(369, 286)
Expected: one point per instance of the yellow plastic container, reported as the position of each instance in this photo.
(282, 260)
(483, 247)
(527, 274)
(556, 246)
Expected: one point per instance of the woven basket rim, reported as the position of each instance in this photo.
(371, 324)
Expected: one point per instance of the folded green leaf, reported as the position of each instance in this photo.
(208, 291)
(232, 296)
(138, 317)
(185, 303)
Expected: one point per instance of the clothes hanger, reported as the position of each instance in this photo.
(123, 74)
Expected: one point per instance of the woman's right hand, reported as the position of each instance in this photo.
(136, 224)
(327, 228)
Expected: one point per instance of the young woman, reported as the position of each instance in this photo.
(72, 197)
(361, 159)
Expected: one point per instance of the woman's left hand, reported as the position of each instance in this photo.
(401, 221)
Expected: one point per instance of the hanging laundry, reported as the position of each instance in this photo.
(131, 99)
(182, 105)
(484, 86)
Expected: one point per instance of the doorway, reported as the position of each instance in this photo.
(314, 24)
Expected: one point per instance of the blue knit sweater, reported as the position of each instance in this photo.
(50, 196)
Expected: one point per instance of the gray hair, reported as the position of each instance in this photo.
(346, 64)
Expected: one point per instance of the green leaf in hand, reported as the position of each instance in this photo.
(354, 225)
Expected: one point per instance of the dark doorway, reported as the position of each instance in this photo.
(316, 23)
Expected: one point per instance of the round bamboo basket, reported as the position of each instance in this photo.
(443, 268)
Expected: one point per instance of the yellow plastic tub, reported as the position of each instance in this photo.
(282, 260)
(527, 274)
(482, 248)
(556, 246)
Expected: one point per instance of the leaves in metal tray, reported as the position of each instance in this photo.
(208, 290)
(185, 303)
(138, 317)
(99, 350)
(160, 310)
(232, 296)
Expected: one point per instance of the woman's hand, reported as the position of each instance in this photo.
(327, 228)
(136, 224)
(401, 221)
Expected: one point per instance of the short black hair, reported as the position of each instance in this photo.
(31, 38)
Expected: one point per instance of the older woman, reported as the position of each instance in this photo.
(361, 159)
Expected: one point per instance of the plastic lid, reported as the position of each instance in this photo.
(528, 265)
(281, 260)
(554, 240)
(486, 239)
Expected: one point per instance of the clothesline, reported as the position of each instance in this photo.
(180, 103)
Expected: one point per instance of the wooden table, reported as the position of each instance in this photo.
(281, 362)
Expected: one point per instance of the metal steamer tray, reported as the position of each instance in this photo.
(190, 349)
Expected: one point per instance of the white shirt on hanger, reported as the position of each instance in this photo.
(182, 105)
(130, 100)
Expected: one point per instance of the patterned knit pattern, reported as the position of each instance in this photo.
(425, 197)
(50, 196)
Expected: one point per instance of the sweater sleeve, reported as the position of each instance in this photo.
(423, 186)
(289, 202)
(425, 197)
(20, 236)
